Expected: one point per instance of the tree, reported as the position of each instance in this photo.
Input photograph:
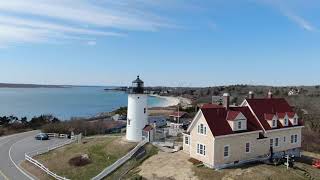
(24, 120)
(5, 121)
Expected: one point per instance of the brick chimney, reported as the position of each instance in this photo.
(251, 95)
(270, 95)
(226, 100)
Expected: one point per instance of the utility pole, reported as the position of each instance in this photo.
(178, 113)
(287, 163)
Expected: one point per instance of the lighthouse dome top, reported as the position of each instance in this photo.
(137, 86)
(138, 80)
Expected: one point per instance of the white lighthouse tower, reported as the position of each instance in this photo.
(137, 117)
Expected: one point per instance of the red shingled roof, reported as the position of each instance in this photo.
(265, 109)
(231, 115)
(281, 115)
(277, 106)
(268, 116)
(216, 119)
(211, 106)
(291, 114)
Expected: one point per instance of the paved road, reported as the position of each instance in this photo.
(12, 150)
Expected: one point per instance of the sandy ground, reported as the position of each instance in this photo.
(176, 166)
(167, 166)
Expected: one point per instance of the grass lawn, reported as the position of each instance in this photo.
(102, 152)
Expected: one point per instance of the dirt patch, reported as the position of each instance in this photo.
(179, 166)
(79, 161)
(256, 171)
(167, 166)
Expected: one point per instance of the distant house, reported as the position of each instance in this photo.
(293, 92)
(222, 136)
(159, 121)
(177, 115)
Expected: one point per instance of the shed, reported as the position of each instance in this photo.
(148, 133)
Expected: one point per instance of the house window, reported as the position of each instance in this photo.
(285, 122)
(145, 110)
(271, 142)
(295, 138)
(276, 142)
(273, 123)
(292, 139)
(202, 129)
(186, 140)
(295, 121)
(201, 149)
(247, 147)
(226, 151)
(239, 125)
(284, 139)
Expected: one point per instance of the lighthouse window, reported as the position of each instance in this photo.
(129, 121)
(145, 110)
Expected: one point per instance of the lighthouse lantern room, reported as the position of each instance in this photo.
(137, 117)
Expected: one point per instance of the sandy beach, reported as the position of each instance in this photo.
(173, 101)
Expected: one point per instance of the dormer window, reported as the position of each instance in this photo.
(293, 117)
(274, 123)
(284, 119)
(237, 121)
(271, 119)
(239, 125)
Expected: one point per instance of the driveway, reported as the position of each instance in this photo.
(12, 150)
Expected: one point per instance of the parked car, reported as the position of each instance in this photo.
(42, 136)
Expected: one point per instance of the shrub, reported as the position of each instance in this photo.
(1, 131)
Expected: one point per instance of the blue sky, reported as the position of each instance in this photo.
(168, 42)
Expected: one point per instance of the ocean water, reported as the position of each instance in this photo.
(64, 102)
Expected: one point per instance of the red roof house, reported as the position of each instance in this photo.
(225, 135)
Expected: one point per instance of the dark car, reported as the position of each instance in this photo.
(42, 136)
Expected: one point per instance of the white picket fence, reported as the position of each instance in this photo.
(28, 157)
(43, 168)
(119, 162)
(56, 135)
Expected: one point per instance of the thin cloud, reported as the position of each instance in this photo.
(84, 12)
(284, 9)
(303, 23)
(36, 21)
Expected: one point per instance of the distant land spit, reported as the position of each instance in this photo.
(9, 85)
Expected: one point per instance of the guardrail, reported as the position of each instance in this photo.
(119, 162)
(28, 157)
